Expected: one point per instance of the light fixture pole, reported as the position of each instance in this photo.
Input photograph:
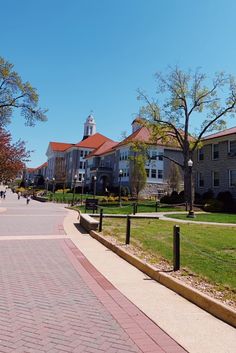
(47, 184)
(120, 175)
(53, 185)
(191, 211)
(94, 186)
(75, 180)
(82, 190)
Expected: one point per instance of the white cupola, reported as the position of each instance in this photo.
(89, 127)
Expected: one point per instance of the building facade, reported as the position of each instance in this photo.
(215, 163)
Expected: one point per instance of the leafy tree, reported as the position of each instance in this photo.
(12, 156)
(138, 175)
(184, 98)
(174, 179)
(16, 94)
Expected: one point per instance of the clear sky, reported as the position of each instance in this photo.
(85, 55)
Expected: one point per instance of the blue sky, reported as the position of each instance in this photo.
(85, 55)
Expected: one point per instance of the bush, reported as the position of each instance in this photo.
(208, 195)
(213, 206)
(173, 198)
(227, 200)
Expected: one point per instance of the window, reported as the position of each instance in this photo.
(232, 148)
(232, 178)
(153, 173)
(147, 172)
(216, 179)
(81, 153)
(81, 165)
(200, 154)
(160, 157)
(153, 154)
(160, 174)
(215, 151)
(200, 180)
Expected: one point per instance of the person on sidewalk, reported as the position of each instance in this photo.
(27, 199)
(19, 195)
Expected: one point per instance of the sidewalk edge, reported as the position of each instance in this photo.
(205, 302)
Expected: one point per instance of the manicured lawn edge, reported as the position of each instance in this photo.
(205, 302)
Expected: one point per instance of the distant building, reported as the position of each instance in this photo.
(109, 159)
(215, 163)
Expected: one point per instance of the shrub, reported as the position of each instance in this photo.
(213, 206)
(208, 195)
(227, 200)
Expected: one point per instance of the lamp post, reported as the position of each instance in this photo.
(47, 184)
(94, 186)
(73, 199)
(82, 190)
(191, 211)
(120, 175)
(53, 185)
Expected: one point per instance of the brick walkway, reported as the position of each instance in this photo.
(53, 300)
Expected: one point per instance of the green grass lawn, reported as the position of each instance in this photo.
(207, 251)
(127, 208)
(207, 217)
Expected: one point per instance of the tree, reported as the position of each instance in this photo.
(138, 175)
(15, 94)
(181, 98)
(174, 179)
(12, 156)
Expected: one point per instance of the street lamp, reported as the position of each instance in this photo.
(191, 211)
(53, 185)
(73, 199)
(47, 184)
(94, 186)
(120, 175)
(82, 190)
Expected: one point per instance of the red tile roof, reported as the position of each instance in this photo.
(31, 170)
(93, 141)
(104, 148)
(45, 164)
(60, 146)
(144, 135)
(226, 132)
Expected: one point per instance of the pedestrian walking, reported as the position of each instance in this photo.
(19, 195)
(27, 200)
(4, 194)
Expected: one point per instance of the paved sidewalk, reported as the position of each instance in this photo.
(52, 299)
(196, 330)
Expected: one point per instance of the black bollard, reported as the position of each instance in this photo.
(128, 226)
(176, 248)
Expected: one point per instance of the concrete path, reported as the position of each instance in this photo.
(162, 216)
(52, 299)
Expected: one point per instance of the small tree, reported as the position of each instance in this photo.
(181, 97)
(16, 94)
(138, 175)
(174, 179)
(12, 156)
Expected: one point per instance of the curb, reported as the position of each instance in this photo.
(205, 302)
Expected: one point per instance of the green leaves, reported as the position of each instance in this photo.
(16, 94)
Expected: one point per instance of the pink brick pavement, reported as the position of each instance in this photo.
(53, 300)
